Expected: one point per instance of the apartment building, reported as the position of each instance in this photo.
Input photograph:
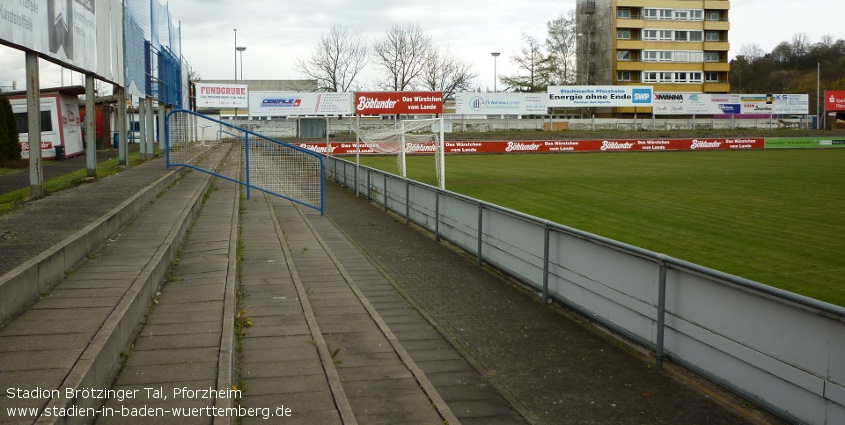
(673, 45)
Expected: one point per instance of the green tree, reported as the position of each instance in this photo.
(531, 63)
(10, 147)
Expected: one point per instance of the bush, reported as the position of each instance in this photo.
(10, 147)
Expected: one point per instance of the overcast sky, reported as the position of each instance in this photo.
(276, 32)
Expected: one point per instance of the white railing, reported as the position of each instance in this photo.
(782, 351)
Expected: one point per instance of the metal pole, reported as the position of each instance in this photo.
(236, 54)
(368, 185)
(142, 127)
(121, 128)
(661, 315)
(407, 201)
(90, 127)
(358, 154)
(162, 131)
(246, 152)
(151, 148)
(385, 192)
(33, 109)
(818, 94)
(442, 153)
(480, 229)
(437, 216)
(402, 153)
(546, 265)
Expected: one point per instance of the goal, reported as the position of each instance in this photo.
(423, 135)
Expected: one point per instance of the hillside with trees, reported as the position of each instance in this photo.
(794, 66)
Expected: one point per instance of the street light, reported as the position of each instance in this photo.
(236, 54)
(495, 73)
(241, 49)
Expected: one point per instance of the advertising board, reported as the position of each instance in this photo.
(834, 100)
(221, 96)
(65, 30)
(550, 146)
(389, 103)
(599, 96)
(280, 104)
(501, 104)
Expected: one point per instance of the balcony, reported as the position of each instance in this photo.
(717, 4)
(717, 46)
(717, 87)
(717, 25)
(633, 23)
(717, 66)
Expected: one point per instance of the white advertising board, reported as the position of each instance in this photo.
(501, 104)
(221, 96)
(730, 104)
(599, 96)
(283, 104)
(696, 104)
(65, 30)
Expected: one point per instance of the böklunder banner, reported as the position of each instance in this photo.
(405, 103)
(547, 146)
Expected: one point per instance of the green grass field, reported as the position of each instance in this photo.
(776, 217)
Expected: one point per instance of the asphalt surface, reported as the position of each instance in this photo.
(551, 365)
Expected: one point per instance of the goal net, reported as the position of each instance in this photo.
(409, 136)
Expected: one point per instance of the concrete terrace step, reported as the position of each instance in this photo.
(73, 336)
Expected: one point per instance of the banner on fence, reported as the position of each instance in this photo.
(221, 95)
(730, 104)
(545, 146)
(599, 96)
(391, 103)
(805, 142)
(281, 104)
(834, 100)
(501, 104)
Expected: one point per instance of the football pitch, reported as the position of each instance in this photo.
(773, 216)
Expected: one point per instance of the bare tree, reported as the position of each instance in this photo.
(336, 61)
(447, 73)
(561, 44)
(403, 54)
(751, 52)
(530, 62)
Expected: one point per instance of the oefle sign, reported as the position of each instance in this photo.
(834, 100)
(389, 103)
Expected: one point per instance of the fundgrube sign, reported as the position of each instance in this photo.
(406, 103)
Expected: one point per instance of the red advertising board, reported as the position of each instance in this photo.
(546, 146)
(834, 100)
(389, 103)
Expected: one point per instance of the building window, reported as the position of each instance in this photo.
(713, 15)
(711, 56)
(696, 15)
(623, 34)
(623, 55)
(623, 13)
(711, 77)
(711, 36)
(696, 35)
(649, 77)
(682, 15)
(681, 35)
(623, 75)
(695, 77)
(666, 14)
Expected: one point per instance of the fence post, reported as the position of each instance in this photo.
(385, 192)
(546, 264)
(345, 182)
(407, 201)
(437, 216)
(368, 185)
(246, 152)
(480, 228)
(661, 313)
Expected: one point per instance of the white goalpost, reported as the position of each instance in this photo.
(407, 136)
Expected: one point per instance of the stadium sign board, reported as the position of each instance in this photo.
(221, 95)
(834, 100)
(282, 104)
(501, 104)
(599, 96)
(405, 103)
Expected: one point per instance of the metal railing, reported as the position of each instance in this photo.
(780, 350)
(274, 167)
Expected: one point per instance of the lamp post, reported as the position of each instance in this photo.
(495, 73)
(236, 54)
(241, 49)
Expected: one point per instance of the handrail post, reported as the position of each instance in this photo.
(368, 185)
(661, 313)
(546, 264)
(407, 201)
(480, 229)
(246, 152)
(385, 192)
(436, 215)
